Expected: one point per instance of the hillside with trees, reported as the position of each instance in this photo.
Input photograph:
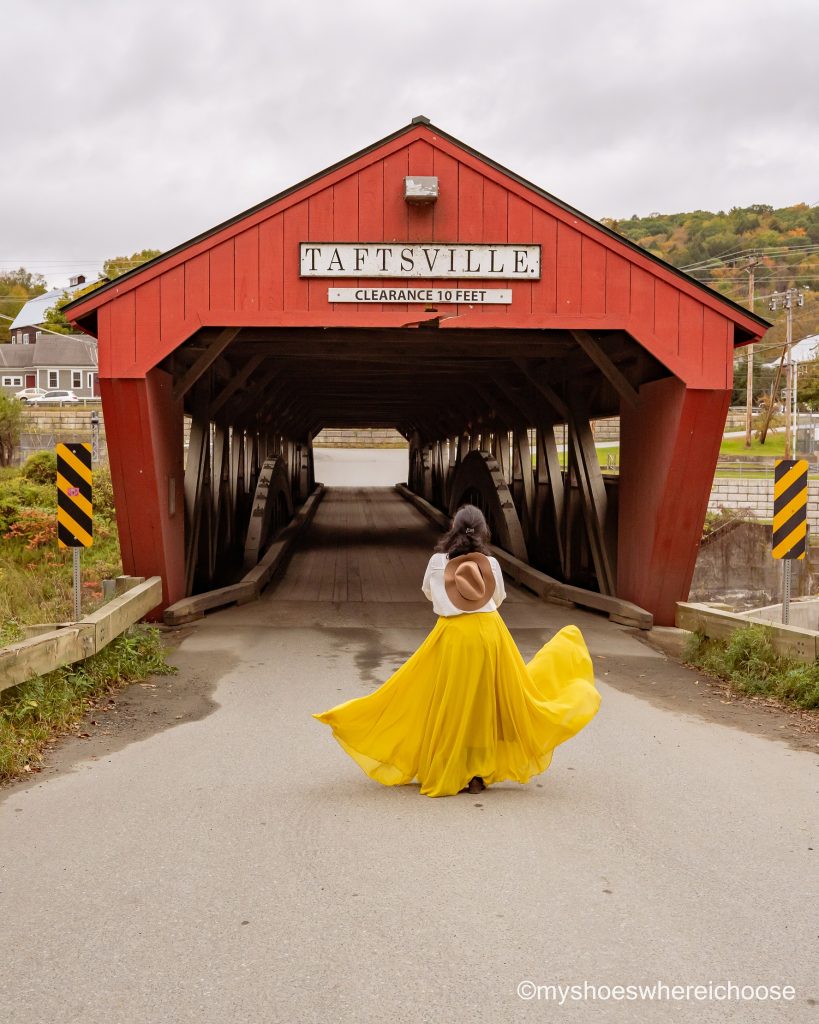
(718, 248)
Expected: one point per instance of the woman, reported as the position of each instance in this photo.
(465, 710)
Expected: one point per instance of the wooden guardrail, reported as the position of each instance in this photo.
(76, 641)
(790, 641)
(253, 583)
(546, 587)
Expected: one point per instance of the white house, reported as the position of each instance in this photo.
(40, 358)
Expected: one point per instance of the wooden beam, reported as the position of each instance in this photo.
(613, 374)
(235, 384)
(215, 348)
(551, 396)
(593, 497)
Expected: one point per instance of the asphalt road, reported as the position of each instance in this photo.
(239, 867)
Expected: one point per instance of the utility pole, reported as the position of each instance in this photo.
(792, 297)
(753, 261)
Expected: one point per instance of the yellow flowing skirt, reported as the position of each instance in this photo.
(465, 703)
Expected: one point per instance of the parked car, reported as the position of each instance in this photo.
(55, 397)
(30, 394)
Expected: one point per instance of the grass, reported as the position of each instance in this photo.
(36, 586)
(35, 574)
(35, 713)
(774, 446)
(748, 662)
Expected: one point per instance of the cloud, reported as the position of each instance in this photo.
(144, 125)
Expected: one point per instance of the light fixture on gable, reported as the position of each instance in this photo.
(420, 189)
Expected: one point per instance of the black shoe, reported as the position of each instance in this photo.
(476, 785)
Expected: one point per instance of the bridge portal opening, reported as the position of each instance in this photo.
(489, 328)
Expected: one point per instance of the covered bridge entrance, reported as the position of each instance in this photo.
(417, 285)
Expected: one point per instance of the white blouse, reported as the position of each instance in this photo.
(433, 587)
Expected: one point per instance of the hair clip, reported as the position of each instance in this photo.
(469, 529)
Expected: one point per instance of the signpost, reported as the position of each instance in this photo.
(790, 526)
(75, 519)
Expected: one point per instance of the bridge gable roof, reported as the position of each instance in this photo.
(245, 270)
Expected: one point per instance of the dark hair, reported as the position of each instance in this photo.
(468, 532)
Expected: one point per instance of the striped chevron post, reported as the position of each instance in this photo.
(75, 514)
(790, 526)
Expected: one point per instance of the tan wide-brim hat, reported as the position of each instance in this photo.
(469, 581)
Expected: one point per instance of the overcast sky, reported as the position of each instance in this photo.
(135, 125)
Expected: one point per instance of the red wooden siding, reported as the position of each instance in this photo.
(249, 271)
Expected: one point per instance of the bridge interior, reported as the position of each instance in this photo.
(365, 546)
(478, 409)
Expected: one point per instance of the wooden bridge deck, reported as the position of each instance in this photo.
(365, 544)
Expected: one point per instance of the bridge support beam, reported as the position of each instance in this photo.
(669, 443)
(145, 431)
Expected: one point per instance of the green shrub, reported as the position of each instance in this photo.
(103, 492)
(748, 661)
(41, 468)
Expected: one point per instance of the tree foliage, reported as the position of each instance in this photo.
(16, 288)
(11, 415)
(715, 248)
(116, 266)
(119, 265)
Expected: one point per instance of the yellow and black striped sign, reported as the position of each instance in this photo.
(790, 524)
(75, 520)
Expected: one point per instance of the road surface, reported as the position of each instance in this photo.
(235, 865)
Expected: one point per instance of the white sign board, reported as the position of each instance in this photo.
(434, 296)
(408, 260)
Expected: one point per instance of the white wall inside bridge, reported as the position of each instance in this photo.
(360, 467)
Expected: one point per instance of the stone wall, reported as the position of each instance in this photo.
(757, 497)
(45, 427)
(359, 438)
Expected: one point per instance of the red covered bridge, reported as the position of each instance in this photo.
(319, 308)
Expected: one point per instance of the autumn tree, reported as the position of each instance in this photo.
(55, 319)
(16, 288)
(11, 412)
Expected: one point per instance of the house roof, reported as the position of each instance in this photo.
(34, 311)
(93, 298)
(52, 351)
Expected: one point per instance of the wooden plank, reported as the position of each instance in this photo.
(568, 269)
(123, 611)
(172, 308)
(197, 284)
(123, 328)
(254, 581)
(544, 291)
(52, 650)
(618, 284)
(551, 396)
(446, 213)
(613, 374)
(237, 382)
(42, 654)
(790, 641)
(593, 281)
(216, 346)
(593, 497)
(223, 276)
(545, 586)
(247, 270)
(271, 265)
